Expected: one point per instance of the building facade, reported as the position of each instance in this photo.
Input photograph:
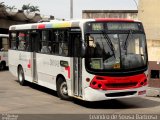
(10, 17)
(148, 13)
(130, 14)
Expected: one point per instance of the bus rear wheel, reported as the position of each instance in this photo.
(62, 89)
(2, 65)
(21, 77)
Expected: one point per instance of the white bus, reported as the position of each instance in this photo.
(89, 59)
(4, 46)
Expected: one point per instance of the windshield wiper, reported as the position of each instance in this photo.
(126, 41)
(108, 40)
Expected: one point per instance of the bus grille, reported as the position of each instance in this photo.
(121, 85)
(120, 94)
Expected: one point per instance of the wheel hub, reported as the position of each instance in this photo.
(20, 77)
(64, 88)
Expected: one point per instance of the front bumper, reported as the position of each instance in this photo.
(91, 94)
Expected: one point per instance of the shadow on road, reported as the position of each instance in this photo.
(126, 103)
(6, 69)
(40, 88)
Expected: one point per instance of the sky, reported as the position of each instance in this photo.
(61, 8)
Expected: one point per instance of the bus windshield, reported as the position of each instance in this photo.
(116, 51)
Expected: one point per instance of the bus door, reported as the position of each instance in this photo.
(4, 45)
(76, 68)
(34, 48)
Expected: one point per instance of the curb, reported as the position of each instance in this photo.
(153, 92)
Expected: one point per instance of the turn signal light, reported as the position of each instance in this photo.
(87, 79)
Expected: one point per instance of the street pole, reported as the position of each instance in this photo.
(71, 9)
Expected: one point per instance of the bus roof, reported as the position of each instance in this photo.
(64, 24)
(4, 35)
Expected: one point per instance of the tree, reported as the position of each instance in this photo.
(30, 8)
(11, 10)
(11, 7)
(34, 8)
(2, 4)
(26, 7)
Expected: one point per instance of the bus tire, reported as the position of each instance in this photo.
(21, 77)
(62, 89)
(2, 65)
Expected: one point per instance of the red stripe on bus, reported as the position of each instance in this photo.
(29, 64)
(21, 34)
(41, 26)
(69, 71)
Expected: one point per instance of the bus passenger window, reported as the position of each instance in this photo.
(60, 42)
(55, 43)
(55, 48)
(14, 42)
(45, 48)
(46, 42)
(28, 42)
(63, 45)
(63, 49)
(22, 41)
(5, 44)
(1, 44)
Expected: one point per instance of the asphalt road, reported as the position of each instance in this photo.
(34, 99)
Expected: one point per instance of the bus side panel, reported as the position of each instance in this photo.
(90, 94)
(48, 67)
(23, 59)
(85, 75)
(1, 57)
(4, 57)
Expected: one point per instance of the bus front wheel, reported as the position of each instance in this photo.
(62, 89)
(21, 77)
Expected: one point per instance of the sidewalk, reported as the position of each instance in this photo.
(153, 92)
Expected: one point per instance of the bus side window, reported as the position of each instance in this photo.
(46, 42)
(28, 42)
(14, 42)
(60, 43)
(63, 46)
(22, 41)
(55, 44)
(5, 44)
(1, 44)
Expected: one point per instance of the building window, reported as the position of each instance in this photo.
(155, 74)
